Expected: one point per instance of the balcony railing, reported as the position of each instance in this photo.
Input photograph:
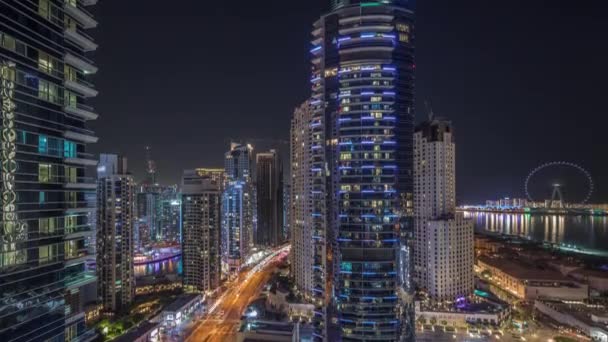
(80, 63)
(80, 134)
(80, 38)
(82, 111)
(81, 279)
(80, 14)
(83, 87)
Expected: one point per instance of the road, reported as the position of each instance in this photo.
(222, 321)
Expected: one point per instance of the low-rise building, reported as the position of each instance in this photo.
(278, 299)
(146, 332)
(564, 265)
(528, 282)
(597, 280)
(178, 311)
(485, 245)
(463, 314)
(590, 320)
(273, 331)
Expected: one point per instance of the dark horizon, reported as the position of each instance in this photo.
(513, 77)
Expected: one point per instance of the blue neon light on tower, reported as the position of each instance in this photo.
(362, 56)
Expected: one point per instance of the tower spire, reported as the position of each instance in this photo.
(150, 166)
(429, 111)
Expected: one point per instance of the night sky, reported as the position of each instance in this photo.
(524, 82)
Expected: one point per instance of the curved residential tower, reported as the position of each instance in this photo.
(361, 169)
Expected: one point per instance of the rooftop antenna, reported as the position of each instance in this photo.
(429, 111)
(150, 166)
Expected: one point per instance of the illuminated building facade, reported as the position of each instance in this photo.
(216, 174)
(444, 251)
(170, 213)
(300, 209)
(44, 88)
(238, 207)
(149, 212)
(201, 216)
(361, 169)
(115, 238)
(269, 186)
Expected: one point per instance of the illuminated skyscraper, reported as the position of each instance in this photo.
(269, 186)
(300, 212)
(48, 198)
(443, 250)
(201, 203)
(216, 174)
(361, 169)
(150, 167)
(238, 207)
(170, 212)
(238, 162)
(115, 236)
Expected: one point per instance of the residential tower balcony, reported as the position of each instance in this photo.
(81, 111)
(80, 135)
(80, 63)
(82, 16)
(81, 39)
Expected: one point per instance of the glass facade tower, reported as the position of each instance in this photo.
(115, 238)
(47, 199)
(361, 170)
(238, 207)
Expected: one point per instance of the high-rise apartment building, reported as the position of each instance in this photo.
(218, 175)
(269, 186)
(45, 67)
(115, 235)
(201, 216)
(286, 208)
(300, 212)
(443, 252)
(170, 214)
(362, 123)
(149, 211)
(238, 207)
(238, 162)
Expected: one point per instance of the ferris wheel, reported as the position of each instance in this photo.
(557, 193)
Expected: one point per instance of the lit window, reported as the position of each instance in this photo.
(48, 91)
(41, 197)
(71, 175)
(44, 173)
(9, 42)
(43, 144)
(401, 27)
(404, 37)
(44, 8)
(47, 225)
(70, 73)
(70, 223)
(331, 72)
(376, 98)
(44, 62)
(71, 100)
(69, 149)
(69, 23)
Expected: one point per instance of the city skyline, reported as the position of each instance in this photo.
(313, 171)
(486, 87)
